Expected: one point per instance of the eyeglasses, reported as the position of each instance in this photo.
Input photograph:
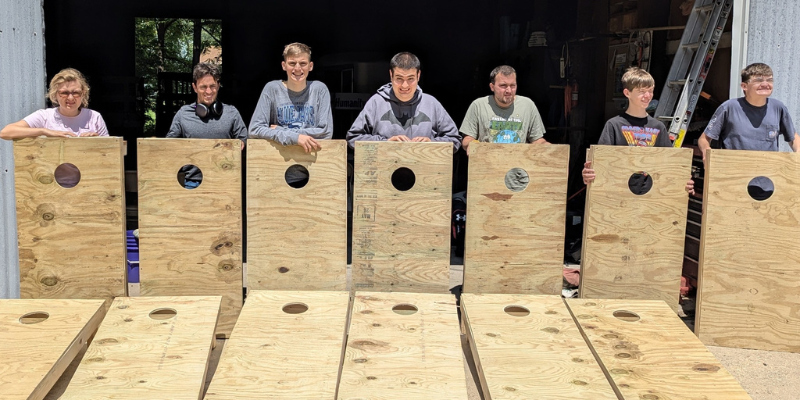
(203, 88)
(76, 94)
(762, 80)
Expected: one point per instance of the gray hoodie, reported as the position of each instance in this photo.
(385, 116)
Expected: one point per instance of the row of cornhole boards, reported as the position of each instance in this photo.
(375, 345)
(72, 241)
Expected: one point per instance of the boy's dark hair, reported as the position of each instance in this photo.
(506, 70)
(755, 69)
(203, 69)
(404, 60)
(637, 78)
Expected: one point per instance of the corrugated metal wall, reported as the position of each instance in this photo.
(22, 88)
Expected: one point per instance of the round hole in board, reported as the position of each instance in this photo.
(628, 316)
(190, 176)
(640, 183)
(67, 175)
(760, 188)
(163, 313)
(403, 179)
(517, 179)
(295, 308)
(34, 317)
(517, 311)
(405, 309)
(296, 176)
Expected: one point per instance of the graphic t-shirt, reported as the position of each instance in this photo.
(487, 122)
(625, 129)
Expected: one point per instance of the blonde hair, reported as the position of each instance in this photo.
(64, 76)
(293, 49)
(637, 78)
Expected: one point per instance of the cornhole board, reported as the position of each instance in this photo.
(647, 352)
(190, 241)
(749, 273)
(71, 240)
(403, 356)
(148, 348)
(286, 345)
(515, 232)
(299, 235)
(528, 347)
(401, 239)
(633, 244)
(38, 341)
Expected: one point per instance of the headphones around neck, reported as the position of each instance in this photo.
(203, 111)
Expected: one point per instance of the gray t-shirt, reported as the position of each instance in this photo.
(487, 122)
(738, 125)
(307, 112)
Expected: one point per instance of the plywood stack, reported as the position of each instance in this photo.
(71, 239)
(190, 241)
(401, 239)
(403, 346)
(749, 272)
(284, 222)
(633, 244)
(515, 234)
(148, 348)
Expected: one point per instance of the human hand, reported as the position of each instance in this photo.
(273, 126)
(588, 173)
(399, 138)
(52, 133)
(421, 139)
(690, 187)
(308, 143)
(88, 134)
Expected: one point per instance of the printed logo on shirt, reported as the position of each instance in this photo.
(296, 116)
(505, 131)
(640, 136)
(773, 134)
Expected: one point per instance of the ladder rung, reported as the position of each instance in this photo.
(679, 82)
(665, 118)
(694, 45)
(704, 8)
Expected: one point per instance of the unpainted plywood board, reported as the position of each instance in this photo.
(401, 239)
(39, 338)
(649, 353)
(515, 233)
(749, 273)
(279, 351)
(148, 348)
(633, 244)
(399, 356)
(298, 236)
(528, 346)
(190, 241)
(71, 240)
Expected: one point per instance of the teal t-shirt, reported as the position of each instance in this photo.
(487, 122)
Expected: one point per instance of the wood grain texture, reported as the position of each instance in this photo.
(273, 354)
(654, 357)
(298, 236)
(36, 354)
(401, 239)
(749, 272)
(539, 355)
(394, 356)
(515, 239)
(71, 240)
(633, 244)
(190, 241)
(134, 356)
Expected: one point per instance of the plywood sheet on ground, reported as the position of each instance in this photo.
(649, 353)
(38, 341)
(148, 348)
(279, 351)
(190, 241)
(403, 356)
(528, 346)
(749, 271)
(71, 240)
(633, 244)
(401, 239)
(298, 236)
(515, 233)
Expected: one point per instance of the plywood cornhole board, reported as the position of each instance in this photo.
(71, 240)
(515, 234)
(649, 353)
(401, 239)
(190, 241)
(398, 356)
(38, 341)
(749, 270)
(633, 244)
(148, 348)
(279, 351)
(298, 236)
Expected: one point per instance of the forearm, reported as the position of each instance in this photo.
(796, 143)
(539, 141)
(703, 143)
(12, 131)
(286, 137)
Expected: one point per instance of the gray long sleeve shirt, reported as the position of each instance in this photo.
(307, 112)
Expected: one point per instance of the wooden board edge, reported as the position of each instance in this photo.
(467, 331)
(584, 241)
(345, 337)
(701, 257)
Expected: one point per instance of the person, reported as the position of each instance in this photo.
(401, 112)
(69, 117)
(503, 117)
(295, 111)
(635, 127)
(207, 117)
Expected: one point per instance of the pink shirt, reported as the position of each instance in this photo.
(87, 121)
